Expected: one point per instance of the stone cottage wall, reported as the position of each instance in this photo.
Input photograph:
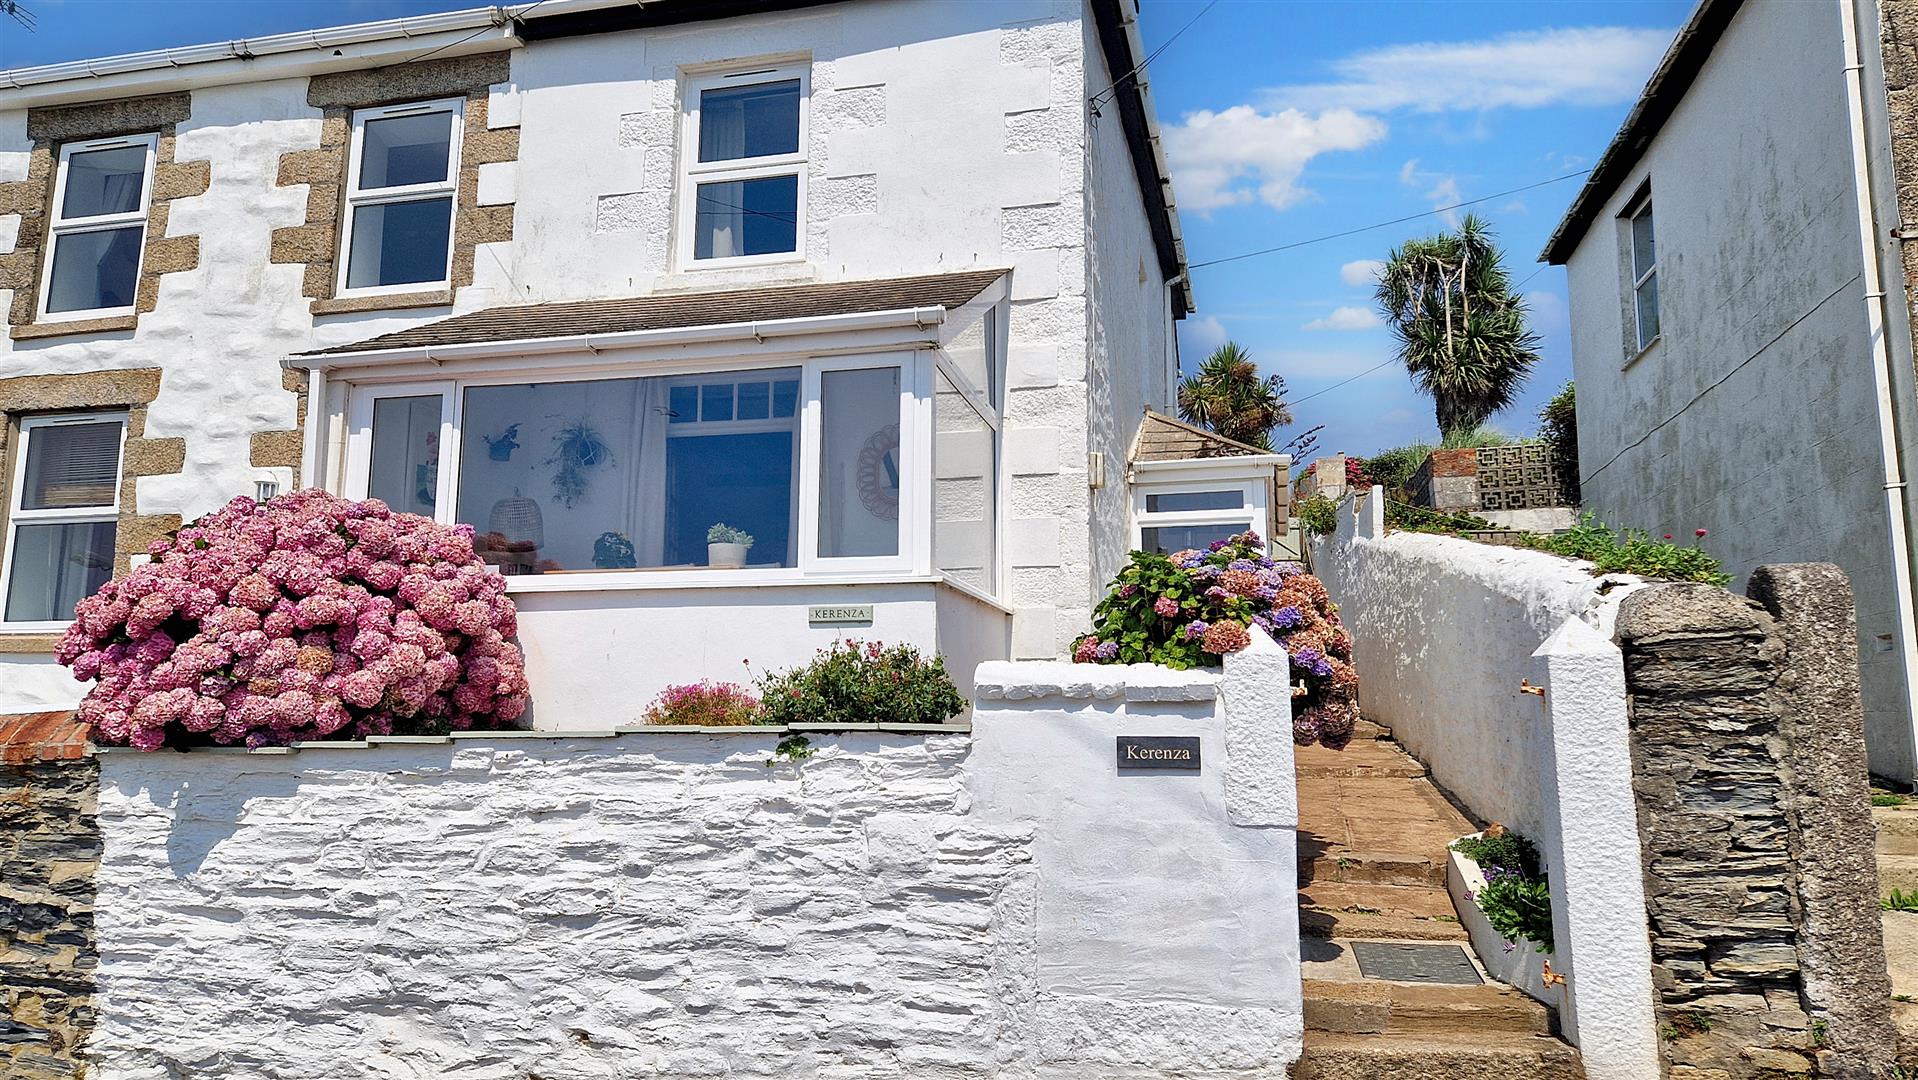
(49, 846)
(1751, 826)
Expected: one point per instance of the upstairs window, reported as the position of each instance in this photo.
(99, 226)
(401, 183)
(1644, 272)
(62, 516)
(743, 190)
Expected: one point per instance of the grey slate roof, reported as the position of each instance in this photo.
(531, 322)
(1161, 438)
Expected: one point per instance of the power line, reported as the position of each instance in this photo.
(1096, 101)
(1342, 382)
(1383, 224)
(521, 14)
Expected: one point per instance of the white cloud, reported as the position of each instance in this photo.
(1441, 188)
(1361, 272)
(1348, 317)
(1238, 155)
(1596, 65)
(1198, 337)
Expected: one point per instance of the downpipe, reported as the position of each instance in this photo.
(1896, 512)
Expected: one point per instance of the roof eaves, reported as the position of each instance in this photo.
(1118, 28)
(1662, 93)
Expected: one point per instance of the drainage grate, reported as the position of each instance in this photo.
(1415, 963)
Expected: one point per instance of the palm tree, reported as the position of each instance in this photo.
(1227, 396)
(1461, 333)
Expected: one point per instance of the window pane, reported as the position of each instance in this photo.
(754, 402)
(405, 150)
(71, 465)
(785, 397)
(1167, 539)
(405, 470)
(614, 476)
(969, 352)
(1194, 500)
(94, 269)
(746, 217)
(104, 182)
(1644, 250)
(715, 402)
(55, 567)
(399, 243)
(749, 121)
(859, 462)
(1647, 298)
(964, 489)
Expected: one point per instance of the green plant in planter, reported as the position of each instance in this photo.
(1319, 515)
(1517, 898)
(723, 533)
(855, 682)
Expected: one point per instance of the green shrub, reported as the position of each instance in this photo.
(856, 682)
(1318, 515)
(1887, 798)
(1900, 900)
(1409, 518)
(1558, 429)
(1517, 898)
(1393, 469)
(1477, 438)
(1632, 551)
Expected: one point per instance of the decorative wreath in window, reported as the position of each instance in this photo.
(879, 473)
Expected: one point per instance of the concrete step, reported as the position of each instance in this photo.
(1897, 872)
(1366, 729)
(1465, 1056)
(1369, 868)
(1358, 759)
(1375, 1007)
(1338, 909)
(1897, 829)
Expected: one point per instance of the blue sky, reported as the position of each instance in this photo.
(1286, 121)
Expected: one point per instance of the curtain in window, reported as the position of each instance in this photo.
(123, 189)
(648, 515)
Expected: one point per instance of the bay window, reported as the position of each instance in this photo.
(98, 230)
(743, 181)
(402, 179)
(62, 516)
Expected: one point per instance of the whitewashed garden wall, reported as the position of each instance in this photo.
(904, 902)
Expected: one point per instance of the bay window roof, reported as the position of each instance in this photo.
(675, 311)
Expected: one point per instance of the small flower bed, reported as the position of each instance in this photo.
(704, 704)
(1193, 607)
(1633, 551)
(1517, 898)
(854, 682)
(305, 617)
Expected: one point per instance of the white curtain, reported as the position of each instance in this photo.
(648, 508)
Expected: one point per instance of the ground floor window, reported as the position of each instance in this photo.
(1174, 516)
(808, 466)
(63, 509)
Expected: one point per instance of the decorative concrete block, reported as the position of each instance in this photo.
(498, 183)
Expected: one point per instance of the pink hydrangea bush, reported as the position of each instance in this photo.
(306, 617)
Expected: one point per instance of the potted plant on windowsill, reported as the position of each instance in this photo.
(726, 546)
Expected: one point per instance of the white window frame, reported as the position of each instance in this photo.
(355, 197)
(1642, 207)
(1253, 513)
(915, 494)
(53, 516)
(59, 225)
(983, 405)
(693, 172)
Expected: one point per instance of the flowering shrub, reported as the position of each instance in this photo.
(1193, 607)
(1517, 898)
(704, 704)
(862, 683)
(300, 618)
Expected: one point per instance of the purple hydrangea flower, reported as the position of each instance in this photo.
(1196, 629)
(1287, 617)
(1216, 545)
(1106, 650)
(1217, 594)
(1310, 659)
(1266, 593)
(1241, 564)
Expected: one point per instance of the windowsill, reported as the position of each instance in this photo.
(104, 325)
(668, 580)
(743, 262)
(341, 305)
(1634, 358)
(29, 642)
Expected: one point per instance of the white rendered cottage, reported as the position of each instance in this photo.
(885, 285)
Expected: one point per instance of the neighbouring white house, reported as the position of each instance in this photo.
(886, 286)
(1741, 280)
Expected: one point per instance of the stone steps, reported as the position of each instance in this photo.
(1375, 1007)
(1452, 1056)
(1335, 909)
(1370, 868)
(1360, 758)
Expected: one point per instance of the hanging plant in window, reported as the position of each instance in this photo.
(579, 449)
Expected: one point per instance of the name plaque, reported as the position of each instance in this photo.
(1156, 753)
(834, 614)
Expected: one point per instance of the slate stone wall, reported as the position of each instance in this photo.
(1727, 750)
(49, 850)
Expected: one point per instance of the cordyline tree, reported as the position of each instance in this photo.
(1226, 395)
(1461, 333)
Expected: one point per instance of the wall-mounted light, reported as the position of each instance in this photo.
(265, 488)
(1096, 470)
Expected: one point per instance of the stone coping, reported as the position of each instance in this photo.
(1031, 680)
(376, 741)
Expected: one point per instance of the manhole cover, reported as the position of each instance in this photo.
(1415, 963)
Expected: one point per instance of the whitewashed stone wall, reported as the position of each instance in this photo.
(666, 904)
